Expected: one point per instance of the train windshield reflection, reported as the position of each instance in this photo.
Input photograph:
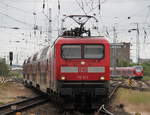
(86, 51)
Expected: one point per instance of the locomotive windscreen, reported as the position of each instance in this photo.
(86, 51)
(93, 51)
(71, 51)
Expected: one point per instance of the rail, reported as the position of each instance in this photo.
(11, 108)
(115, 86)
(103, 110)
(137, 85)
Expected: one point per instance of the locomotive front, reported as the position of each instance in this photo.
(82, 64)
(83, 69)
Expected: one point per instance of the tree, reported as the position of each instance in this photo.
(146, 67)
(123, 63)
(4, 70)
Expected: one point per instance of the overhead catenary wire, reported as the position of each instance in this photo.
(17, 20)
(25, 1)
(88, 5)
(82, 8)
(5, 12)
(6, 5)
(13, 7)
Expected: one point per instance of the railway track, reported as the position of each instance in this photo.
(146, 83)
(136, 85)
(12, 108)
(103, 109)
(114, 86)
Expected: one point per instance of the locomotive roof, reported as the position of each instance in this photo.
(70, 40)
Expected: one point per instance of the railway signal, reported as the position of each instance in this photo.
(11, 57)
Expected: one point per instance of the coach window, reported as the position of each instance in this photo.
(71, 51)
(93, 51)
(27, 76)
(35, 56)
(44, 52)
(28, 61)
(118, 72)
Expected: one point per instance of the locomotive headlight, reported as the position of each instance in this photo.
(63, 78)
(102, 78)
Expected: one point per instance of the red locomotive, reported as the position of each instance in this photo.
(75, 68)
(135, 72)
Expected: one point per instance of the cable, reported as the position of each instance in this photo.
(87, 4)
(17, 9)
(22, 22)
(25, 1)
(82, 8)
(97, 6)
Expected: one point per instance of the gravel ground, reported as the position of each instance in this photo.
(13, 91)
(44, 109)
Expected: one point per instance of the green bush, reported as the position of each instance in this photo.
(146, 67)
(15, 74)
(4, 69)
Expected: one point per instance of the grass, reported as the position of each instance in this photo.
(146, 78)
(116, 78)
(1, 103)
(139, 97)
(134, 96)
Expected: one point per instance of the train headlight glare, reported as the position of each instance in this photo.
(102, 78)
(63, 78)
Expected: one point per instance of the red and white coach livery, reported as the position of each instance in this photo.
(135, 72)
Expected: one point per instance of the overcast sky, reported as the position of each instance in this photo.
(19, 13)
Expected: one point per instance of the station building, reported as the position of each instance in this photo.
(120, 52)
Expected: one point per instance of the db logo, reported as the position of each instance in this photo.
(79, 77)
(83, 69)
(85, 77)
